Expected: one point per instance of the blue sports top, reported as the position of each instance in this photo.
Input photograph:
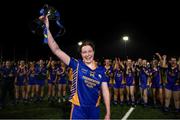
(86, 84)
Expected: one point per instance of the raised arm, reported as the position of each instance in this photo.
(120, 63)
(159, 56)
(53, 45)
(115, 64)
(164, 61)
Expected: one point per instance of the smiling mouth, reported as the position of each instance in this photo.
(88, 58)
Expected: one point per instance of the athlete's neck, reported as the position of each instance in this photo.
(92, 65)
(107, 66)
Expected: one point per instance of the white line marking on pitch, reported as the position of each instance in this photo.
(128, 113)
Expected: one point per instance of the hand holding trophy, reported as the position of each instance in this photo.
(39, 27)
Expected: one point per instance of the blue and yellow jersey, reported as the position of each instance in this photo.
(8, 72)
(118, 76)
(86, 84)
(21, 74)
(129, 77)
(31, 72)
(61, 75)
(62, 72)
(156, 76)
(143, 76)
(109, 72)
(172, 75)
(52, 73)
(41, 72)
(31, 75)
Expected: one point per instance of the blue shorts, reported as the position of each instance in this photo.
(62, 81)
(51, 81)
(110, 85)
(40, 82)
(79, 112)
(176, 88)
(20, 83)
(129, 81)
(143, 86)
(32, 81)
(172, 87)
(132, 84)
(119, 86)
(157, 86)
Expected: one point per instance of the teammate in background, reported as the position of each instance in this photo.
(138, 66)
(144, 80)
(157, 83)
(52, 72)
(109, 73)
(31, 78)
(130, 82)
(41, 75)
(172, 84)
(62, 82)
(20, 80)
(8, 75)
(119, 84)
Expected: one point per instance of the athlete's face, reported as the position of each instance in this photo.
(22, 63)
(107, 62)
(87, 54)
(41, 62)
(53, 63)
(140, 61)
(8, 63)
(173, 61)
(144, 62)
(129, 62)
(155, 63)
(31, 64)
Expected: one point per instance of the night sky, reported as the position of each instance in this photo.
(151, 26)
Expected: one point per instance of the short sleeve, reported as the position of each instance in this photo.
(73, 63)
(104, 76)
